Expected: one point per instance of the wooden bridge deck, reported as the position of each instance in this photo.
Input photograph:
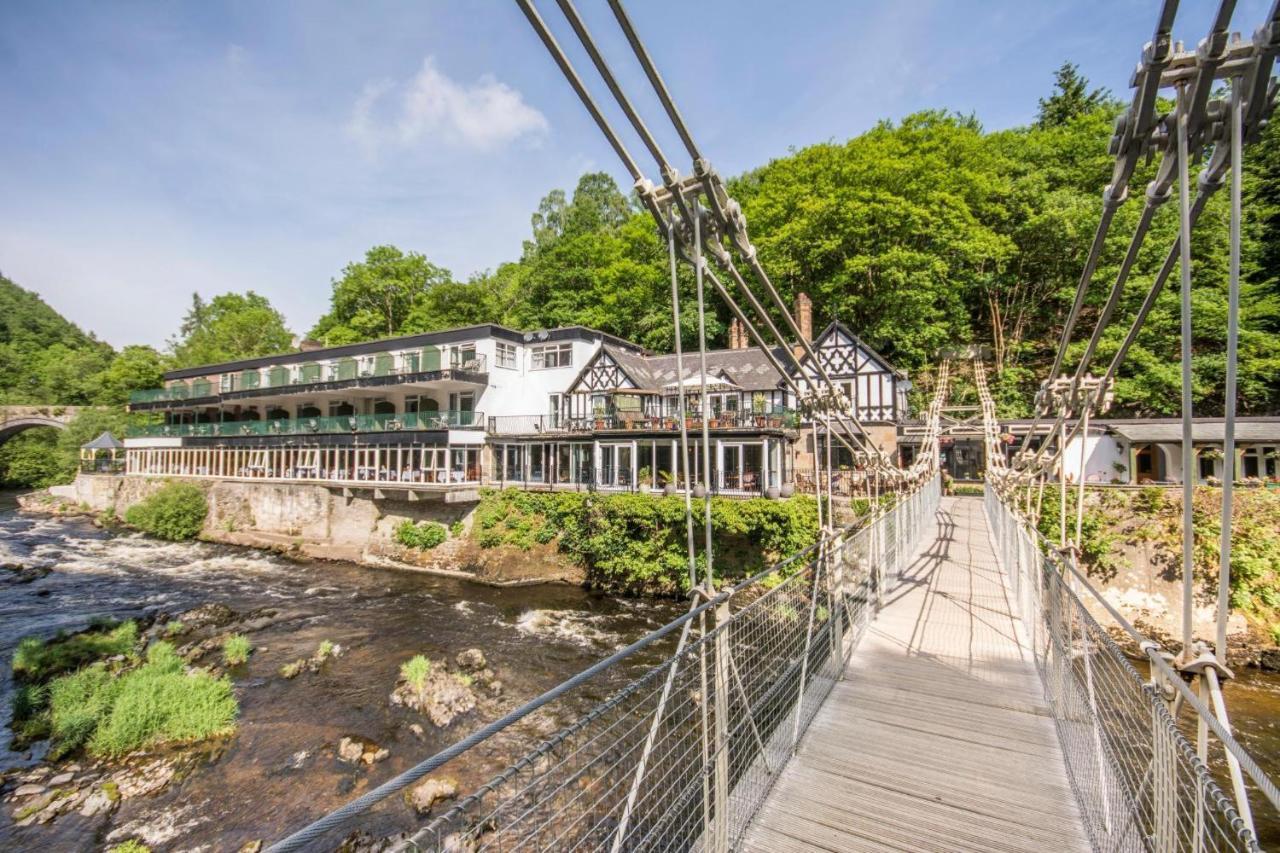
(938, 738)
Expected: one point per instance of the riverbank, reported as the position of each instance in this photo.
(317, 522)
(291, 730)
(618, 542)
(1132, 552)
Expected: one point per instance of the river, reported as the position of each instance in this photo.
(280, 770)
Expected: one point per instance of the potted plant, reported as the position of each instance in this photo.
(644, 476)
(668, 482)
(786, 490)
(699, 490)
(1213, 454)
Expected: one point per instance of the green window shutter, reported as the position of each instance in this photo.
(250, 379)
(347, 368)
(382, 364)
(310, 373)
(278, 376)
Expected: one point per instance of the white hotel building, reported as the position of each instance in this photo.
(439, 414)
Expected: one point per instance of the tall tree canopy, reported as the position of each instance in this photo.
(375, 298)
(1071, 97)
(228, 327)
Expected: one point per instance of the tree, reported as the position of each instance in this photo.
(375, 297)
(1071, 97)
(229, 327)
(135, 368)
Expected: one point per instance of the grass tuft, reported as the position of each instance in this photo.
(38, 660)
(236, 650)
(159, 702)
(415, 671)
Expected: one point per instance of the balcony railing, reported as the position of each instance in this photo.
(277, 379)
(777, 418)
(194, 391)
(311, 426)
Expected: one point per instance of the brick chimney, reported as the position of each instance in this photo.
(737, 335)
(804, 319)
(804, 316)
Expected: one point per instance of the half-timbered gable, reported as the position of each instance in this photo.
(874, 387)
(602, 373)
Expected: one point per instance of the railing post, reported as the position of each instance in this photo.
(720, 806)
(1163, 784)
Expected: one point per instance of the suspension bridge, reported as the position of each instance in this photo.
(936, 675)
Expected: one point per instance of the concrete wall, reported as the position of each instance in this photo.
(314, 520)
(1101, 452)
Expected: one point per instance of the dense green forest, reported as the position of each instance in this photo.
(918, 233)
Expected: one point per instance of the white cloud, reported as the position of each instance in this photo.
(485, 114)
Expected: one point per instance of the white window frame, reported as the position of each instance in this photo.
(563, 353)
(506, 355)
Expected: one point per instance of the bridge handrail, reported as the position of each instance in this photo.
(688, 747)
(1138, 779)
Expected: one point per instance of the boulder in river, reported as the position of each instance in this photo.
(213, 614)
(440, 694)
(430, 791)
(355, 750)
(471, 660)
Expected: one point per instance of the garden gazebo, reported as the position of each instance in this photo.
(103, 455)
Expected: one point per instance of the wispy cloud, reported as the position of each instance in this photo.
(486, 114)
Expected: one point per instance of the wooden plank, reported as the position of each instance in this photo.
(938, 737)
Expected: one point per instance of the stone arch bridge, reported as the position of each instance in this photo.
(17, 419)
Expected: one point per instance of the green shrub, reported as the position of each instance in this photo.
(156, 703)
(324, 651)
(424, 535)
(415, 671)
(177, 511)
(174, 628)
(456, 529)
(236, 650)
(40, 660)
(636, 542)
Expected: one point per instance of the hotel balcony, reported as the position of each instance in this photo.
(408, 421)
(379, 372)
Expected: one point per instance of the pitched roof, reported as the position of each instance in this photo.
(749, 369)
(106, 441)
(1259, 429)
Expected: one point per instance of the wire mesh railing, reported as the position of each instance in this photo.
(1138, 779)
(683, 756)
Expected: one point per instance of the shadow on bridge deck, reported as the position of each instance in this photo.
(938, 737)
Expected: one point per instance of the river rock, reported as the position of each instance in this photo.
(29, 790)
(353, 750)
(430, 791)
(99, 802)
(1269, 660)
(62, 779)
(213, 614)
(145, 779)
(251, 846)
(350, 750)
(471, 660)
(417, 730)
(442, 697)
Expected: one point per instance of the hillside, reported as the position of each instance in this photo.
(44, 358)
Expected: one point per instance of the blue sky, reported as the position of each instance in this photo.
(149, 150)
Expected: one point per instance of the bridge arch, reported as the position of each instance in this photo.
(15, 426)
